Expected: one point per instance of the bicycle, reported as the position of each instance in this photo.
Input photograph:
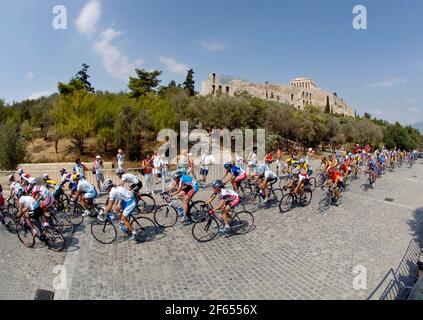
(48, 234)
(145, 203)
(208, 228)
(8, 216)
(291, 199)
(166, 216)
(105, 231)
(255, 200)
(369, 183)
(328, 200)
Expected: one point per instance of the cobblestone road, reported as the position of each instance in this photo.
(300, 255)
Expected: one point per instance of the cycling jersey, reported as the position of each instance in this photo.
(188, 183)
(120, 194)
(130, 179)
(40, 191)
(230, 197)
(336, 177)
(28, 202)
(236, 171)
(85, 187)
(270, 175)
(15, 187)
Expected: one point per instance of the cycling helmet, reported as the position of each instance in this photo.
(218, 184)
(46, 177)
(20, 171)
(296, 171)
(228, 165)
(302, 161)
(107, 185)
(331, 171)
(120, 171)
(62, 171)
(176, 175)
(76, 177)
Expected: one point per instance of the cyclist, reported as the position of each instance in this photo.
(335, 182)
(43, 197)
(15, 187)
(84, 191)
(50, 184)
(229, 200)
(345, 169)
(266, 179)
(134, 183)
(31, 209)
(236, 175)
(124, 203)
(187, 187)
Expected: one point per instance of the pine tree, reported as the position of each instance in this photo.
(327, 108)
(189, 83)
(83, 77)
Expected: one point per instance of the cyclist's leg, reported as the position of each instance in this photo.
(127, 209)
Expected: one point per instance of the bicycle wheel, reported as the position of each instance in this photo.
(205, 230)
(324, 204)
(276, 196)
(166, 216)
(145, 227)
(286, 203)
(76, 215)
(305, 199)
(313, 184)
(65, 221)
(196, 211)
(25, 235)
(253, 202)
(242, 222)
(9, 222)
(104, 232)
(146, 204)
(320, 180)
(54, 239)
(245, 190)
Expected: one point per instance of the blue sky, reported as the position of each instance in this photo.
(378, 70)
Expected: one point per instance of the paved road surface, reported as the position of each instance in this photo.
(300, 255)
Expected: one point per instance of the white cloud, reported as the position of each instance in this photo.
(29, 76)
(213, 45)
(173, 66)
(113, 60)
(46, 93)
(389, 83)
(88, 18)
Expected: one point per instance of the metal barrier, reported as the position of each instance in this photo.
(396, 284)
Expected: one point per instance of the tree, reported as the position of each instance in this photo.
(83, 77)
(368, 116)
(144, 83)
(13, 150)
(189, 83)
(327, 108)
(68, 88)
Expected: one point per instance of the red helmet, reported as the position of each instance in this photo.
(331, 171)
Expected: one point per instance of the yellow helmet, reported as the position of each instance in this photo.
(76, 176)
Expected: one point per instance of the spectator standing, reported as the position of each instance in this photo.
(120, 158)
(310, 155)
(79, 168)
(268, 160)
(164, 170)
(191, 166)
(148, 175)
(280, 164)
(252, 161)
(239, 160)
(156, 167)
(182, 163)
(98, 169)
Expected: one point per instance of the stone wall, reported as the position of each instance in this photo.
(299, 93)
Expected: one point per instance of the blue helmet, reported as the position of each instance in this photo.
(228, 165)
